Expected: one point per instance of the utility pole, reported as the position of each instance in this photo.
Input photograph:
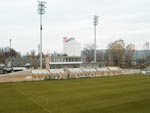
(41, 11)
(95, 24)
(10, 48)
(10, 43)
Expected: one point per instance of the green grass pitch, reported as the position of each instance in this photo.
(118, 94)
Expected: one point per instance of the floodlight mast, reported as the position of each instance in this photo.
(41, 11)
(95, 24)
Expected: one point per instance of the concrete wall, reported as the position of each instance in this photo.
(131, 71)
(36, 75)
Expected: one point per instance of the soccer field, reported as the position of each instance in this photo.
(118, 94)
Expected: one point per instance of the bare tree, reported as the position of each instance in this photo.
(88, 52)
(27, 55)
(100, 56)
(32, 54)
(130, 50)
(115, 52)
(147, 52)
(7, 53)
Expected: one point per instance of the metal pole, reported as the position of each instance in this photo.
(95, 24)
(95, 43)
(41, 41)
(41, 11)
(10, 48)
(10, 43)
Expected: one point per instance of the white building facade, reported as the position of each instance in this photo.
(71, 47)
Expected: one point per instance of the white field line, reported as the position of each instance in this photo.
(30, 98)
(46, 100)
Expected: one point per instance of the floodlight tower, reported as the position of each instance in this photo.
(41, 11)
(95, 24)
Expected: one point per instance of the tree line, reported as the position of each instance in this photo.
(118, 53)
(8, 53)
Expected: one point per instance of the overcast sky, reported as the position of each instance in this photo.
(118, 19)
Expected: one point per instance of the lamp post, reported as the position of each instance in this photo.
(41, 11)
(10, 48)
(10, 43)
(95, 24)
